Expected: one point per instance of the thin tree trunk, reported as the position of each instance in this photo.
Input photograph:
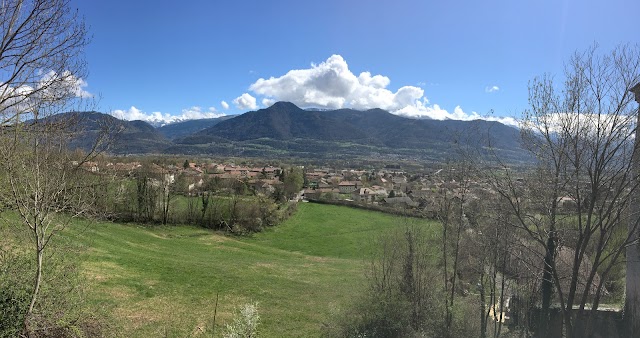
(546, 288)
(483, 319)
(502, 287)
(36, 286)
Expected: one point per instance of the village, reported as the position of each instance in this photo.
(388, 188)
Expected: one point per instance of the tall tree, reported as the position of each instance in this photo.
(41, 74)
(452, 200)
(293, 181)
(575, 204)
(632, 301)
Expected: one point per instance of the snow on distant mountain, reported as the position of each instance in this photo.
(159, 119)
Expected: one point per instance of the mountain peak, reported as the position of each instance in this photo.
(284, 105)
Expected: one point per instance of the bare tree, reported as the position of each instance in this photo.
(484, 257)
(632, 289)
(168, 190)
(40, 57)
(575, 205)
(452, 199)
(401, 274)
(41, 75)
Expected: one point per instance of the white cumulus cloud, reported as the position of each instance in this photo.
(331, 84)
(268, 102)
(159, 118)
(437, 113)
(130, 114)
(224, 105)
(196, 112)
(65, 83)
(245, 101)
(491, 89)
(50, 87)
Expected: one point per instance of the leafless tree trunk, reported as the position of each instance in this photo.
(451, 201)
(167, 189)
(400, 272)
(205, 198)
(167, 196)
(44, 184)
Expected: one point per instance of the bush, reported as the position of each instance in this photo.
(60, 309)
(245, 323)
(403, 298)
(14, 293)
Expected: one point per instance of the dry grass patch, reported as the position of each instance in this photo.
(163, 281)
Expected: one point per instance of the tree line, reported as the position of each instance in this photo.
(534, 252)
(154, 193)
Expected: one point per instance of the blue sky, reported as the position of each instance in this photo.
(443, 59)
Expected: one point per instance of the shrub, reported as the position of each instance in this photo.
(403, 298)
(14, 293)
(61, 309)
(245, 323)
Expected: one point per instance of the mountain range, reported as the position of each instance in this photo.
(185, 128)
(284, 130)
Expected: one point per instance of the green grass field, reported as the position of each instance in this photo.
(163, 281)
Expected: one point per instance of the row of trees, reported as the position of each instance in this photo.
(547, 242)
(565, 224)
(155, 194)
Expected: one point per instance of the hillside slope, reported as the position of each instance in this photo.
(122, 137)
(287, 127)
(181, 129)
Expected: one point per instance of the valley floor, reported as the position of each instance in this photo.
(163, 281)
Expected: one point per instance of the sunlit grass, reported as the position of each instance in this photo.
(164, 280)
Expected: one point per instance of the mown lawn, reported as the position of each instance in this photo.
(163, 281)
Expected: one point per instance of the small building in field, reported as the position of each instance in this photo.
(347, 187)
(364, 195)
(403, 201)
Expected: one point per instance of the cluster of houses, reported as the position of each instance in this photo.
(376, 186)
(263, 179)
(384, 186)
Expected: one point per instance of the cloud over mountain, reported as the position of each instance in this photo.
(245, 101)
(331, 84)
(159, 118)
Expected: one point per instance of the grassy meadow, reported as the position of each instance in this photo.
(163, 281)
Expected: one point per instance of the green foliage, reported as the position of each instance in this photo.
(14, 293)
(401, 300)
(293, 181)
(181, 184)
